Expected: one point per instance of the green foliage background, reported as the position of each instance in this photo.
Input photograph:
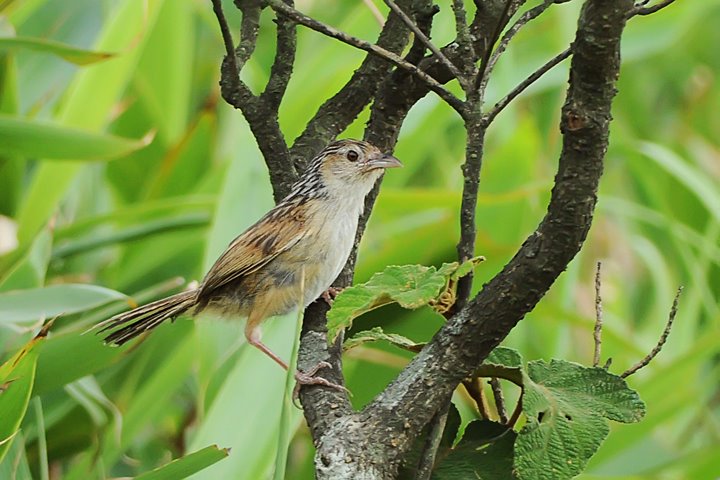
(92, 207)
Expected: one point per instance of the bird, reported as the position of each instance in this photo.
(286, 260)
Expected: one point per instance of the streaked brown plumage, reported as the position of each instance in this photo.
(308, 235)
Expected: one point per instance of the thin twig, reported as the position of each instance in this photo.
(282, 67)
(502, 21)
(516, 413)
(499, 400)
(280, 7)
(427, 457)
(426, 41)
(463, 39)
(227, 37)
(509, 34)
(475, 390)
(642, 10)
(500, 105)
(663, 338)
(597, 331)
(375, 12)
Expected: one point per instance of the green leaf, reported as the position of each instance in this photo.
(29, 305)
(17, 376)
(567, 406)
(69, 53)
(376, 334)
(189, 464)
(508, 357)
(485, 452)
(411, 286)
(504, 363)
(35, 139)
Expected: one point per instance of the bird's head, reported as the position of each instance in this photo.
(350, 167)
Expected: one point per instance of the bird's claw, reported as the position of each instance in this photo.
(330, 294)
(310, 378)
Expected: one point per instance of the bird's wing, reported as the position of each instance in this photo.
(272, 235)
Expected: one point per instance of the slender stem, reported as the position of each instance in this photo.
(516, 413)
(280, 7)
(663, 338)
(597, 331)
(468, 206)
(426, 41)
(479, 83)
(509, 34)
(499, 400)
(642, 10)
(500, 105)
(226, 36)
(437, 427)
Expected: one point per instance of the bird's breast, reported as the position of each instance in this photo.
(330, 246)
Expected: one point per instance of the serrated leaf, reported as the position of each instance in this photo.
(410, 286)
(17, 376)
(567, 406)
(485, 452)
(376, 334)
(185, 466)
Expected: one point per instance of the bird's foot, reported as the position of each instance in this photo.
(310, 378)
(330, 294)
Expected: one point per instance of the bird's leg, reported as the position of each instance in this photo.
(330, 294)
(253, 333)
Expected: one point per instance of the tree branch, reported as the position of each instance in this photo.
(320, 27)
(426, 41)
(642, 10)
(339, 111)
(260, 111)
(509, 34)
(534, 77)
(282, 67)
(373, 442)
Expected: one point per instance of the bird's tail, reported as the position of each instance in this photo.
(147, 317)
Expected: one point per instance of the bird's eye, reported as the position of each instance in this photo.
(352, 155)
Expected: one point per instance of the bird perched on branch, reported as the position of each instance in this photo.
(284, 261)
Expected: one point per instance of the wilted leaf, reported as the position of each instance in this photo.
(567, 406)
(376, 334)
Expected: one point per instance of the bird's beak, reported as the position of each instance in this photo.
(383, 161)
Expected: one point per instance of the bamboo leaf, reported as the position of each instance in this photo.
(75, 55)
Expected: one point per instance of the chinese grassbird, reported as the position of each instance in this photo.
(309, 234)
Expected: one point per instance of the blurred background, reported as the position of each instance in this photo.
(123, 175)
